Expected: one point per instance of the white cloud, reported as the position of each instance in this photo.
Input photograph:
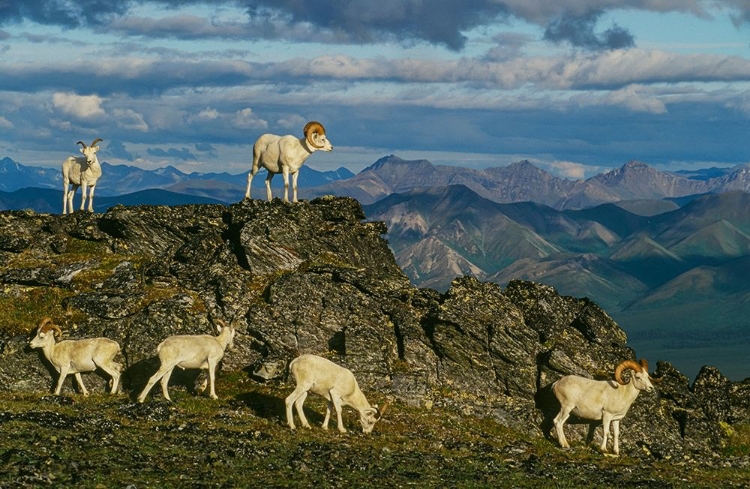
(569, 169)
(5, 123)
(79, 106)
(205, 115)
(246, 119)
(129, 119)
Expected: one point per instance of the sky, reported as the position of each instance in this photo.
(577, 87)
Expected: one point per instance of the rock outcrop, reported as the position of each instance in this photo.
(316, 277)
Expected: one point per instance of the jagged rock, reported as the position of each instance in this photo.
(314, 277)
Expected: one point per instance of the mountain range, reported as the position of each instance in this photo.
(666, 254)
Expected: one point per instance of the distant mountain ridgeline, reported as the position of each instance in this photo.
(666, 254)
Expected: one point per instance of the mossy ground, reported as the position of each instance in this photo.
(241, 440)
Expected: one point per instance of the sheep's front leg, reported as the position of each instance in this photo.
(269, 194)
(84, 190)
(616, 436)
(285, 173)
(336, 400)
(606, 420)
(61, 379)
(80, 384)
(91, 198)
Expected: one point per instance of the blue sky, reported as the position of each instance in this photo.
(577, 87)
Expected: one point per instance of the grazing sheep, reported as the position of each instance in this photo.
(286, 155)
(77, 356)
(191, 351)
(602, 400)
(334, 383)
(81, 171)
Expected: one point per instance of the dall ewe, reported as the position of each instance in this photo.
(81, 171)
(603, 400)
(191, 351)
(77, 356)
(334, 383)
(286, 155)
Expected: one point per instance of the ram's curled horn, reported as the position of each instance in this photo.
(644, 365)
(93, 143)
(313, 127)
(381, 411)
(625, 365)
(81, 143)
(47, 325)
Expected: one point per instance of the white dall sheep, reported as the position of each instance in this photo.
(286, 155)
(334, 383)
(81, 171)
(603, 400)
(77, 356)
(191, 351)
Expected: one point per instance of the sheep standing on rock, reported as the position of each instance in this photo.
(76, 356)
(286, 155)
(81, 171)
(603, 400)
(334, 383)
(191, 351)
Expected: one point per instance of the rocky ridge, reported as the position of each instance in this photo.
(315, 277)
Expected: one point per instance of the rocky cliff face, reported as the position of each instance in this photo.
(314, 277)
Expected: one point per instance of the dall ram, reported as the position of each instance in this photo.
(77, 356)
(81, 171)
(191, 351)
(334, 383)
(286, 155)
(603, 400)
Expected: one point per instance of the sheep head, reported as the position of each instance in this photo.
(640, 377)
(315, 134)
(90, 151)
(46, 332)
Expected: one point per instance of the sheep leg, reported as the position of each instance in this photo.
(69, 196)
(84, 191)
(336, 401)
(606, 420)
(212, 380)
(165, 384)
(154, 378)
(77, 375)
(250, 176)
(60, 380)
(113, 369)
(269, 177)
(296, 398)
(559, 421)
(329, 408)
(91, 198)
(294, 185)
(66, 185)
(285, 173)
(616, 436)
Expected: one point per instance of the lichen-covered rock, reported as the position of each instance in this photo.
(314, 277)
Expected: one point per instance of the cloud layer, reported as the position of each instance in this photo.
(563, 82)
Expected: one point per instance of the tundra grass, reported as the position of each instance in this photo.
(242, 440)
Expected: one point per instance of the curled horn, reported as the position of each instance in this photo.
(312, 127)
(81, 143)
(625, 365)
(381, 411)
(47, 325)
(93, 143)
(644, 366)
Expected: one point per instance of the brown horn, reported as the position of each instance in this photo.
(44, 322)
(625, 365)
(381, 411)
(81, 143)
(96, 141)
(310, 128)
